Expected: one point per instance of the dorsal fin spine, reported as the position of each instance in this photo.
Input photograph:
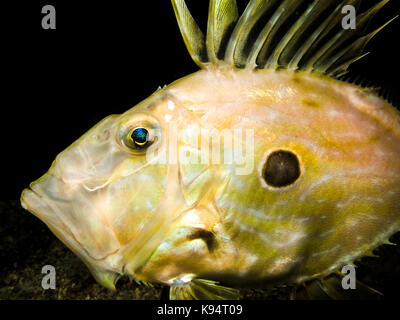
(223, 14)
(191, 33)
(233, 42)
(361, 43)
(211, 30)
(318, 61)
(228, 35)
(273, 61)
(317, 34)
(264, 36)
(250, 16)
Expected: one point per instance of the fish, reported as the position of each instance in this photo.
(264, 168)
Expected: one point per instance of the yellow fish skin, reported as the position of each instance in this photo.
(316, 187)
(343, 204)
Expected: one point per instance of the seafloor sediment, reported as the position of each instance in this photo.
(26, 245)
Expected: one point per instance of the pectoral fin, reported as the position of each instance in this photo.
(199, 289)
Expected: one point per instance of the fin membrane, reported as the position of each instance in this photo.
(199, 289)
(296, 35)
(330, 288)
(192, 35)
(386, 91)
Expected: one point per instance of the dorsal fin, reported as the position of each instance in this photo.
(229, 37)
(223, 14)
(192, 35)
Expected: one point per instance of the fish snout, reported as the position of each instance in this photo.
(47, 188)
(73, 214)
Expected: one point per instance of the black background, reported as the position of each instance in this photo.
(104, 58)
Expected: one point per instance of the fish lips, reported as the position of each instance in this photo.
(33, 201)
(71, 217)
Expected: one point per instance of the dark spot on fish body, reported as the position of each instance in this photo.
(310, 103)
(297, 80)
(281, 169)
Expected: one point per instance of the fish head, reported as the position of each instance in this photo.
(103, 195)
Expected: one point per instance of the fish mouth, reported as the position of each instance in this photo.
(32, 201)
(72, 217)
(40, 205)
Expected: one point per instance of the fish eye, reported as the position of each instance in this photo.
(281, 169)
(140, 137)
(137, 133)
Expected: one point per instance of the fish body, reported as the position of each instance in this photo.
(303, 181)
(345, 150)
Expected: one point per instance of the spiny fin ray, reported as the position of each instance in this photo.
(200, 289)
(340, 62)
(289, 40)
(228, 40)
(191, 33)
(261, 45)
(325, 57)
(235, 52)
(320, 33)
(223, 14)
